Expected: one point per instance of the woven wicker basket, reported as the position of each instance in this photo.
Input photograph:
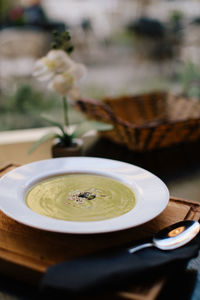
(148, 121)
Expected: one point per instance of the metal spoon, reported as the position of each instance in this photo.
(172, 237)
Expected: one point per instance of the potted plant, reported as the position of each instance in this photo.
(62, 74)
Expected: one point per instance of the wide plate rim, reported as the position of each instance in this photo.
(151, 192)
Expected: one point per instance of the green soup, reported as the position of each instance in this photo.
(81, 197)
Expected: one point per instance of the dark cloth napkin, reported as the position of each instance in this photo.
(114, 269)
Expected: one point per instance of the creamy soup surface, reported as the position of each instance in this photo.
(81, 197)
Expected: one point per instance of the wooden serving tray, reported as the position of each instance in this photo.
(26, 253)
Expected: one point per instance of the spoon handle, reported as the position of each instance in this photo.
(139, 247)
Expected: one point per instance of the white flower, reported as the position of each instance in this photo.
(62, 72)
(64, 83)
(56, 61)
(41, 70)
(78, 71)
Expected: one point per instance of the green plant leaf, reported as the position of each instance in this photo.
(54, 123)
(86, 126)
(43, 139)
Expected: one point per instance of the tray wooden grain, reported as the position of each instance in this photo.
(25, 252)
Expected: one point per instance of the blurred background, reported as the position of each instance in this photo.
(128, 46)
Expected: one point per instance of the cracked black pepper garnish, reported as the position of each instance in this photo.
(87, 195)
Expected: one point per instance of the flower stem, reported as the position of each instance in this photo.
(66, 139)
(65, 110)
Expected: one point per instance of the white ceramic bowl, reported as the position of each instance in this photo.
(152, 195)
